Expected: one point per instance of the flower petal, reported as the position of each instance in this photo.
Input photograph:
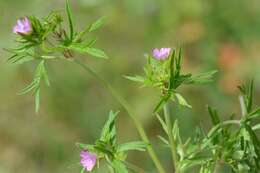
(88, 160)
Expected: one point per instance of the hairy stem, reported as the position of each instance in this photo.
(126, 106)
(171, 137)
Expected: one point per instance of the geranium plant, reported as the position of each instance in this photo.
(232, 143)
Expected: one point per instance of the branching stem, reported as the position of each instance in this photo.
(126, 106)
(171, 137)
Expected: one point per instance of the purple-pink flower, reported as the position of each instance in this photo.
(88, 160)
(162, 53)
(23, 26)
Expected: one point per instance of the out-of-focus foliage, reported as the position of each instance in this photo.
(218, 34)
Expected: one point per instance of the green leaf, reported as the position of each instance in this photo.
(191, 162)
(256, 127)
(119, 166)
(29, 87)
(69, 14)
(85, 146)
(178, 63)
(177, 138)
(163, 124)
(182, 101)
(254, 137)
(165, 141)
(214, 115)
(253, 114)
(247, 98)
(136, 78)
(78, 47)
(96, 25)
(34, 86)
(102, 149)
(20, 59)
(175, 130)
(136, 145)
(96, 52)
(250, 96)
(201, 78)
(45, 76)
(82, 48)
(48, 57)
(172, 71)
(108, 133)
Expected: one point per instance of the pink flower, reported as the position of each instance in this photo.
(23, 26)
(162, 53)
(88, 160)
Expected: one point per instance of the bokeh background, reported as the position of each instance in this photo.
(215, 34)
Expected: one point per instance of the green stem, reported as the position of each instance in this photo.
(243, 106)
(235, 122)
(124, 103)
(171, 137)
(256, 127)
(217, 167)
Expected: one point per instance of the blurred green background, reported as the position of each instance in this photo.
(215, 34)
